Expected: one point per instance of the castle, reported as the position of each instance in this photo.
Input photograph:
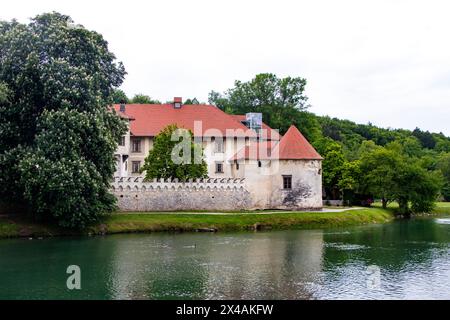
(250, 165)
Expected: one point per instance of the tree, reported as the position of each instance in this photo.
(57, 131)
(349, 180)
(379, 169)
(391, 176)
(144, 99)
(425, 137)
(192, 101)
(119, 96)
(444, 166)
(417, 186)
(332, 165)
(279, 99)
(4, 93)
(160, 160)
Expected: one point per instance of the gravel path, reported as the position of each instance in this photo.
(255, 212)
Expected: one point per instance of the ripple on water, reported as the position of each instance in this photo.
(345, 246)
(443, 221)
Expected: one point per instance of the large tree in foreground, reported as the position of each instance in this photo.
(175, 155)
(57, 132)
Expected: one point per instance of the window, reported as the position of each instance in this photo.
(136, 145)
(219, 167)
(122, 141)
(135, 166)
(218, 145)
(259, 164)
(287, 182)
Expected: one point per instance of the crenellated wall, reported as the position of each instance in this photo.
(134, 194)
(262, 188)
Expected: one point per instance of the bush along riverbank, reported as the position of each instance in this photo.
(13, 226)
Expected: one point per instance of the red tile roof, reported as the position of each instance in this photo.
(121, 114)
(269, 132)
(294, 146)
(150, 119)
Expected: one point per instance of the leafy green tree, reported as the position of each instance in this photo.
(379, 169)
(278, 99)
(192, 101)
(4, 93)
(160, 164)
(332, 165)
(349, 180)
(425, 137)
(444, 166)
(57, 131)
(119, 96)
(144, 99)
(389, 175)
(417, 186)
(411, 147)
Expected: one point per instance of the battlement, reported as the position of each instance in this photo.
(136, 194)
(138, 184)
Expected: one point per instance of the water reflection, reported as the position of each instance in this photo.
(243, 266)
(413, 258)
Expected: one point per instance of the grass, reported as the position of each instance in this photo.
(18, 226)
(441, 207)
(152, 222)
(138, 222)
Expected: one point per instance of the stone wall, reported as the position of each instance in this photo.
(134, 194)
(262, 188)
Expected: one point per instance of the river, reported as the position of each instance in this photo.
(399, 260)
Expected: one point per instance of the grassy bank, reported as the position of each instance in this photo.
(292, 220)
(151, 222)
(17, 226)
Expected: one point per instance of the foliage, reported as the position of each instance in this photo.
(192, 101)
(379, 169)
(425, 138)
(57, 132)
(119, 96)
(391, 176)
(143, 99)
(332, 164)
(159, 162)
(4, 93)
(350, 177)
(444, 167)
(278, 99)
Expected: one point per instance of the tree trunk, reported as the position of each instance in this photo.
(404, 208)
(384, 203)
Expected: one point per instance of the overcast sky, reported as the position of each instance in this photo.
(387, 62)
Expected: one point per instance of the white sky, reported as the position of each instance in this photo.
(387, 62)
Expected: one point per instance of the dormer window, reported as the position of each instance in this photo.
(177, 102)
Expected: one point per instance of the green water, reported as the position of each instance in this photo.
(412, 257)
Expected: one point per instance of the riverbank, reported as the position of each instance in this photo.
(18, 226)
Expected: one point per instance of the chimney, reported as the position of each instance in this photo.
(177, 102)
(122, 107)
